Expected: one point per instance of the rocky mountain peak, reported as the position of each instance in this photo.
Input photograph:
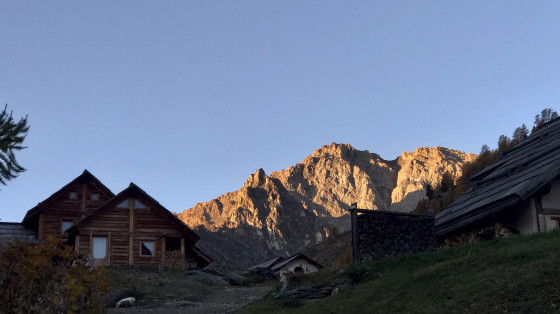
(258, 178)
(284, 212)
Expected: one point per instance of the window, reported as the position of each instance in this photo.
(139, 205)
(95, 196)
(123, 204)
(99, 247)
(66, 224)
(73, 195)
(147, 248)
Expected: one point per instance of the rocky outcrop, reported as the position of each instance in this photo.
(282, 213)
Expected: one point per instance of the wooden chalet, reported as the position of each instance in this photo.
(128, 228)
(520, 190)
(66, 206)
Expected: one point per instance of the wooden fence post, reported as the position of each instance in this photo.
(355, 236)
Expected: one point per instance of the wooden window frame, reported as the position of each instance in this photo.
(140, 242)
(91, 197)
(73, 195)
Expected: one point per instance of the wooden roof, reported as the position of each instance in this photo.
(86, 176)
(512, 179)
(134, 190)
(10, 231)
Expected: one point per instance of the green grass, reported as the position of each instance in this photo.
(514, 275)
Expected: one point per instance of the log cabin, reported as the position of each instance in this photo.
(128, 228)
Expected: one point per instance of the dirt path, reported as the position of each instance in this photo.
(222, 300)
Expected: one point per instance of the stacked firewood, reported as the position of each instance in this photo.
(173, 258)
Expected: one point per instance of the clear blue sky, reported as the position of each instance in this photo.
(187, 99)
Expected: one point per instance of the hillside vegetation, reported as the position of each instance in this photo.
(506, 275)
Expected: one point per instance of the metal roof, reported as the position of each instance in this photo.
(511, 179)
(278, 262)
(284, 262)
(267, 264)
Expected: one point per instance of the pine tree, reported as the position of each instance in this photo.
(546, 115)
(520, 134)
(12, 135)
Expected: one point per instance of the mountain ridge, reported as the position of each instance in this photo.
(282, 213)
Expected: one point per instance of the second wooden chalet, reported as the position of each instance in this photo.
(128, 228)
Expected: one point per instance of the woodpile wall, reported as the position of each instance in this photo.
(173, 259)
(383, 233)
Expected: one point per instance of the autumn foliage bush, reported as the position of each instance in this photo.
(49, 277)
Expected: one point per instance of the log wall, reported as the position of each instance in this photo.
(63, 208)
(127, 228)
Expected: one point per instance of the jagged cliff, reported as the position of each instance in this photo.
(284, 212)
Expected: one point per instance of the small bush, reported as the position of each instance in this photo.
(344, 258)
(49, 278)
(286, 300)
(358, 272)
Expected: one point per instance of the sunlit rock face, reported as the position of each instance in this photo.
(282, 213)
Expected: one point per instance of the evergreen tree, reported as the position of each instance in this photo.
(504, 143)
(484, 149)
(12, 135)
(545, 116)
(520, 134)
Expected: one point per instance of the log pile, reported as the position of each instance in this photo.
(173, 259)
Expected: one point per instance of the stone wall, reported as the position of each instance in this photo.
(383, 233)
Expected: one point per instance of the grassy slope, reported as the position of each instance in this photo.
(515, 275)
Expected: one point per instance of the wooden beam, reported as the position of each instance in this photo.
(109, 249)
(183, 253)
(131, 216)
(130, 249)
(77, 243)
(551, 211)
(40, 228)
(539, 210)
(83, 197)
(91, 243)
(163, 249)
(355, 237)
